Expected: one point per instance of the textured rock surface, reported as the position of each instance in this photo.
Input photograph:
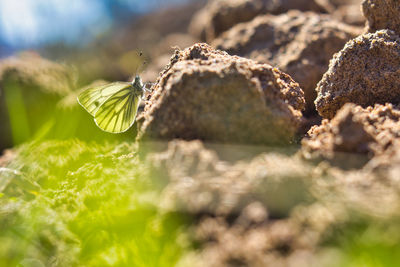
(365, 72)
(220, 15)
(382, 14)
(207, 94)
(370, 131)
(290, 42)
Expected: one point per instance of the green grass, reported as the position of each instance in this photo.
(80, 204)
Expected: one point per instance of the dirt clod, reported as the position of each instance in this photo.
(289, 42)
(365, 72)
(207, 94)
(367, 132)
(220, 15)
(382, 14)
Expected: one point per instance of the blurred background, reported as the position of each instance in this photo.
(28, 24)
(50, 50)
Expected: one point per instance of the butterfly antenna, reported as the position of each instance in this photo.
(140, 66)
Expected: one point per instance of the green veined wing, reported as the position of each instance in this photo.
(92, 98)
(118, 113)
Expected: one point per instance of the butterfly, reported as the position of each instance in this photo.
(114, 106)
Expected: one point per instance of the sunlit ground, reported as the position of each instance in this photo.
(73, 195)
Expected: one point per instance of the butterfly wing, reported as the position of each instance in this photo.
(118, 113)
(92, 98)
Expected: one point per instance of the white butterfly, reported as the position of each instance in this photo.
(114, 106)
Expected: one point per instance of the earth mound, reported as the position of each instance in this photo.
(209, 95)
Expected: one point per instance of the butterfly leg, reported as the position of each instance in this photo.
(145, 86)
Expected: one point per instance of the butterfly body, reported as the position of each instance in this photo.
(138, 85)
(114, 106)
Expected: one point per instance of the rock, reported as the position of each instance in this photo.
(207, 94)
(290, 42)
(354, 133)
(382, 14)
(30, 87)
(220, 15)
(365, 72)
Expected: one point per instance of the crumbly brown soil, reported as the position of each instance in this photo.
(220, 15)
(273, 210)
(369, 132)
(242, 210)
(382, 14)
(365, 72)
(289, 42)
(207, 94)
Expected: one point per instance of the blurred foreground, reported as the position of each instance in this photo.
(66, 203)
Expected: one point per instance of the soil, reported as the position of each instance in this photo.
(216, 170)
(289, 42)
(251, 97)
(364, 72)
